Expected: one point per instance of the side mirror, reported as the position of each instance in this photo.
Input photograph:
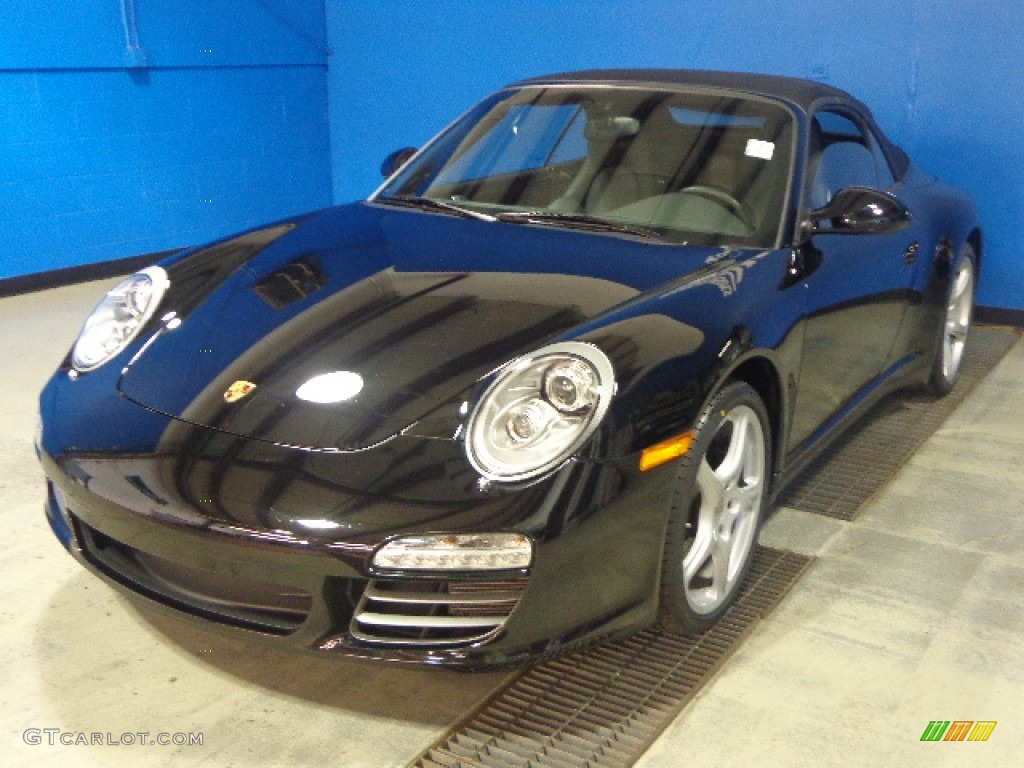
(860, 211)
(396, 160)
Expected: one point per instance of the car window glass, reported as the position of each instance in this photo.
(844, 154)
(571, 145)
(527, 136)
(690, 167)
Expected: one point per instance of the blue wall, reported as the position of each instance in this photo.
(226, 125)
(217, 122)
(942, 76)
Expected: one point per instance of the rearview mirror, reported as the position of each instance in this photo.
(860, 211)
(396, 160)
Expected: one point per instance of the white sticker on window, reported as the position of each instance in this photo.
(760, 149)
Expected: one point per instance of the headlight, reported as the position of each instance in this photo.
(119, 318)
(539, 411)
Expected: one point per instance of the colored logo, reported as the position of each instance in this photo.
(238, 390)
(958, 730)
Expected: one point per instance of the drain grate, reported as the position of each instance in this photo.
(603, 708)
(866, 458)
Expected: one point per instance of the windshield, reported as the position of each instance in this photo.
(702, 168)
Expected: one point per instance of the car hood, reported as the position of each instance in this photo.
(407, 310)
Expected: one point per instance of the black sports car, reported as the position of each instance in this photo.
(538, 390)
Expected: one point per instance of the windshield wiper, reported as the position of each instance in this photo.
(413, 201)
(569, 220)
(578, 221)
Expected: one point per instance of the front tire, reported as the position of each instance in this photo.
(721, 494)
(956, 324)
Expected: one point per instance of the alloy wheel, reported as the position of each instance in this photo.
(730, 485)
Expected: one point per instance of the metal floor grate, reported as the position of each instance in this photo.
(866, 458)
(603, 708)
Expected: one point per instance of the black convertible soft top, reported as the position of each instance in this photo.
(802, 93)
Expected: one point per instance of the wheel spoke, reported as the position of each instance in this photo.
(697, 557)
(721, 558)
(962, 285)
(710, 485)
(730, 470)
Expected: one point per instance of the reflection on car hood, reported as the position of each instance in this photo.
(417, 306)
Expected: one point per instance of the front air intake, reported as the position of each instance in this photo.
(426, 612)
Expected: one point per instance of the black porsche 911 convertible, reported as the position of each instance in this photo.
(537, 391)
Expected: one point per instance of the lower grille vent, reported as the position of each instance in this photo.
(221, 597)
(432, 612)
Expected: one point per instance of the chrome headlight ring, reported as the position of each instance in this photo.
(538, 411)
(118, 318)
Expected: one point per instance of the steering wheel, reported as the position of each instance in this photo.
(724, 199)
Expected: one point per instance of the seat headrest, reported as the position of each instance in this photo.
(605, 129)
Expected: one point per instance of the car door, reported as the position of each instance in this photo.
(857, 289)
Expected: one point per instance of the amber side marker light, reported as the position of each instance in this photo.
(666, 450)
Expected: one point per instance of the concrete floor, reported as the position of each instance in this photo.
(912, 613)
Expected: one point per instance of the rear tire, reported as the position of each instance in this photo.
(956, 324)
(722, 491)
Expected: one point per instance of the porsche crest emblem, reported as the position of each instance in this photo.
(238, 390)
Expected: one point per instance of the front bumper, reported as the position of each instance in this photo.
(594, 574)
